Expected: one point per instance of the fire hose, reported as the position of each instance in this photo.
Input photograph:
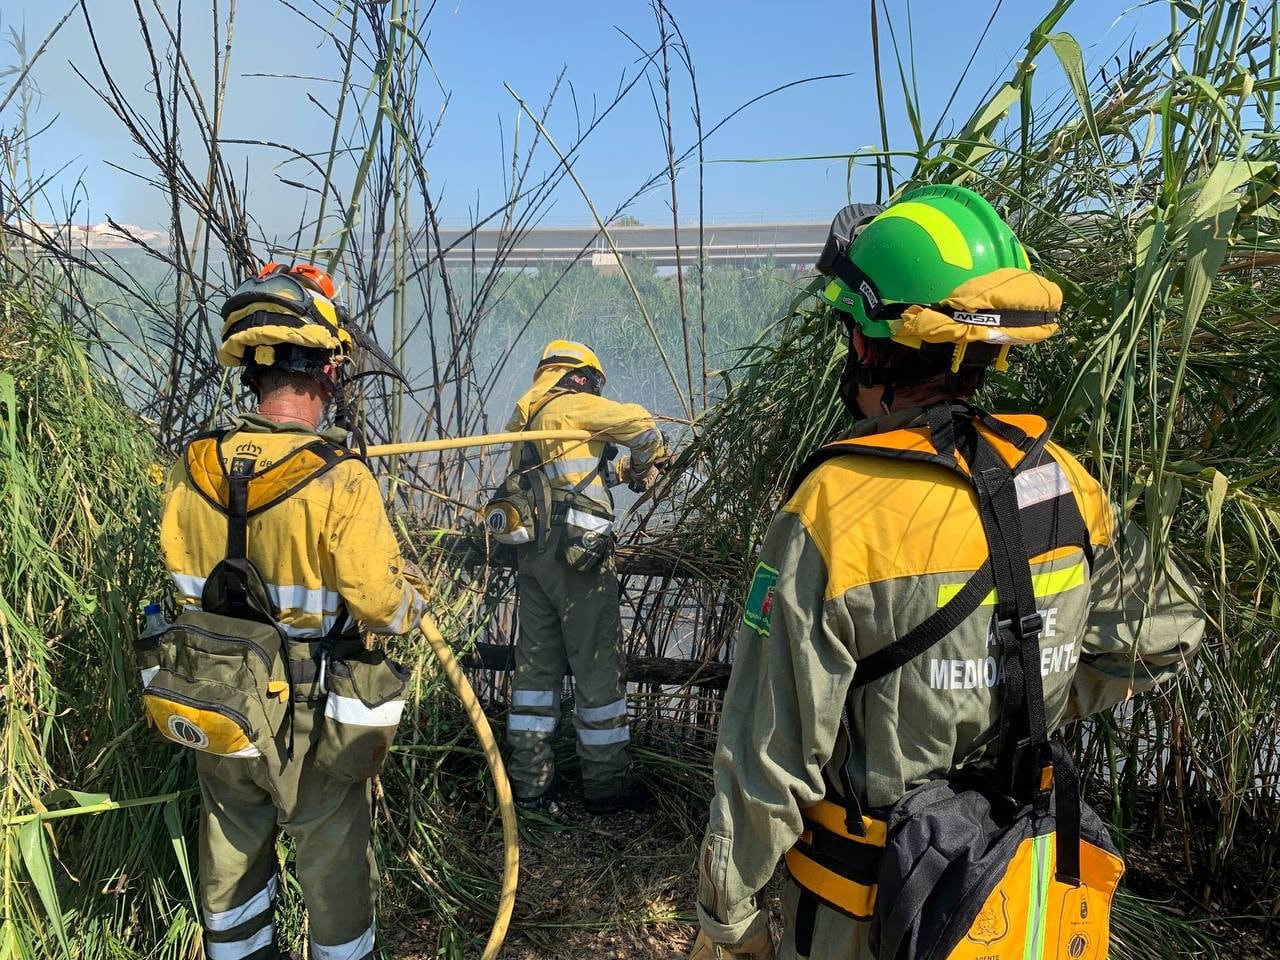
(465, 693)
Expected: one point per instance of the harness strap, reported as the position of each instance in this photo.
(545, 510)
(906, 908)
(238, 534)
(806, 922)
(1056, 522)
(1018, 623)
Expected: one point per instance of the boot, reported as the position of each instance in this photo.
(634, 796)
(543, 800)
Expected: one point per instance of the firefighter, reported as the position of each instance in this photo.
(568, 591)
(877, 538)
(325, 563)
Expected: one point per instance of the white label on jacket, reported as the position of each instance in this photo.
(1045, 482)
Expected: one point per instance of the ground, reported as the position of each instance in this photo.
(617, 887)
(623, 888)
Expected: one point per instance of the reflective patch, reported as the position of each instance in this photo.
(533, 698)
(1044, 584)
(238, 949)
(356, 949)
(599, 738)
(352, 711)
(609, 711)
(148, 675)
(259, 903)
(587, 521)
(759, 607)
(572, 469)
(1045, 482)
(531, 724)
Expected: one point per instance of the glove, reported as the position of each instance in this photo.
(646, 480)
(759, 947)
(414, 576)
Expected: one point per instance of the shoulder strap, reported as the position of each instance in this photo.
(235, 587)
(1007, 570)
(1032, 769)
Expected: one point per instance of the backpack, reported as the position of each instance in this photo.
(218, 679)
(998, 863)
(523, 509)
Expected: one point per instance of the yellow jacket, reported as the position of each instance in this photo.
(568, 462)
(328, 548)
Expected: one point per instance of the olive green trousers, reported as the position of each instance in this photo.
(245, 803)
(568, 619)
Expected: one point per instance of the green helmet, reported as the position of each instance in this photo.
(918, 251)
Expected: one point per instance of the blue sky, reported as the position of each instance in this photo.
(740, 49)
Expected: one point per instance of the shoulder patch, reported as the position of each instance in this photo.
(759, 607)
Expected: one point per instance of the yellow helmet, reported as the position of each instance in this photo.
(281, 311)
(570, 354)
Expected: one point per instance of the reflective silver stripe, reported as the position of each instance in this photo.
(302, 633)
(187, 585)
(238, 949)
(351, 950)
(595, 738)
(608, 712)
(148, 675)
(562, 469)
(1045, 482)
(352, 710)
(647, 441)
(516, 536)
(308, 599)
(319, 602)
(531, 724)
(533, 698)
(314, 600)
(587, 521)
(259, 903)
(571, 349)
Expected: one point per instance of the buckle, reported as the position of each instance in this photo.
(1027, 773)
(1031, 626)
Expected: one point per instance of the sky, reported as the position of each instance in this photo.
(740, 50)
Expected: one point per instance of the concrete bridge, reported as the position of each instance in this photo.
(785, 244)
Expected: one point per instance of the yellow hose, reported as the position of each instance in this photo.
(501, 785)
(479, 440)
(462, 687)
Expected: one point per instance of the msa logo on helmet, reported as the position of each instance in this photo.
(977, 319)
(869, 296)
(184, 731)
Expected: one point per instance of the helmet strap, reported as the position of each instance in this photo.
(859, 283)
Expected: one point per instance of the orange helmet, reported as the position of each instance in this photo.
(308, 272)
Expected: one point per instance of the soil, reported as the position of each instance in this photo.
(623, 888)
